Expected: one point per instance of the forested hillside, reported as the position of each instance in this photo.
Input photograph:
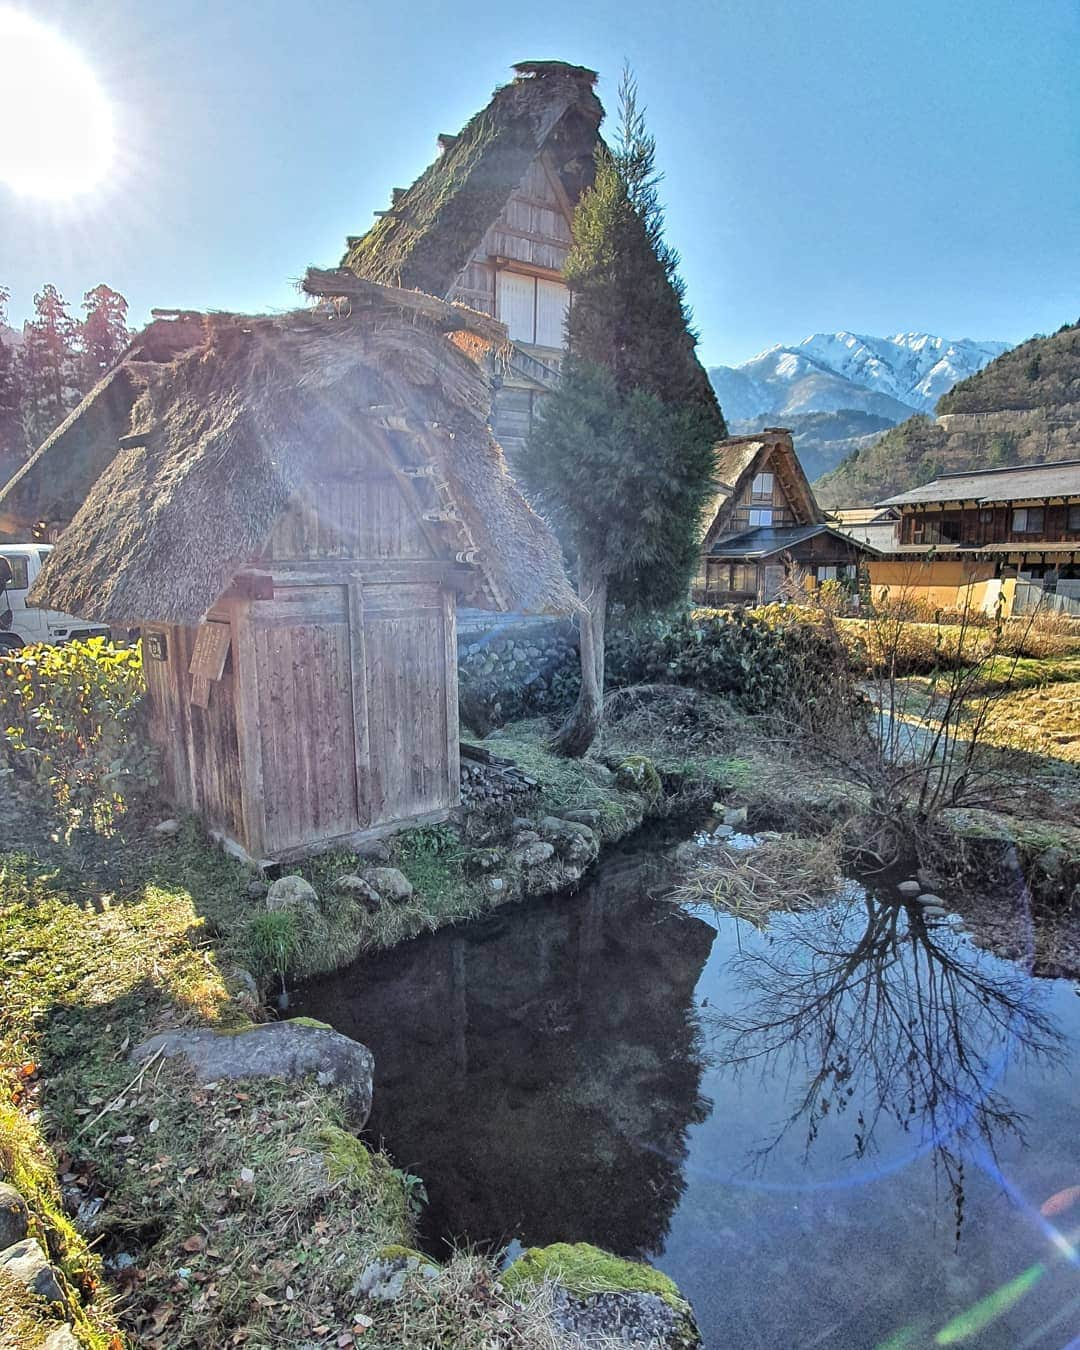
(1024, 407)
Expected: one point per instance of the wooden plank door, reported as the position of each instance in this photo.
(411, 702)
(298, 716)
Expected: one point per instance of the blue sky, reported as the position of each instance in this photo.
(829, 163)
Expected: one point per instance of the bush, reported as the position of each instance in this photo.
(70, 727)
(757, 664)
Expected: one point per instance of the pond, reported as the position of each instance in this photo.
(857, 1129)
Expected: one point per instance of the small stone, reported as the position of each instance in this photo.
(496, 885)
(909, 888)
(167, 829)
(934, 912)
(687, 853)
(292, 892)
(25, 1262)
(535, 854)
(256, 889)
(927, 880)
(62, 1338)
(723, 832)
(376, 852)
(587, 815)
(14, 1216)
(520, 823)
(928, 898)
(735, 815)
(525, 837)
(391, 884)
(359, 889)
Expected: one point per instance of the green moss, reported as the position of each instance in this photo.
(583, 1270)
(637, 773)
(310, 1022)
(346, 1157)
(394, 1251)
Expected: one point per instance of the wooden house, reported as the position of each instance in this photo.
(765, 524)
(488, 224)
(292, 508)
(962, 535)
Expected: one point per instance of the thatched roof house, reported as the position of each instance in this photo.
(764, 522)
(293, 508)
(489, 224)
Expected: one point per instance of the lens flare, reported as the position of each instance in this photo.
(56, 138)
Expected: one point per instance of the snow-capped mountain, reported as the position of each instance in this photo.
(891, 377)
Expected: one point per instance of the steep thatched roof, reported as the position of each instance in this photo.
(221, 438)
(427, 236)
(54, 481)
(738, 459)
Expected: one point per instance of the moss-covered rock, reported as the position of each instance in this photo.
(637, 773)
(584, 1269)
(347, 1159)
(586, 1272)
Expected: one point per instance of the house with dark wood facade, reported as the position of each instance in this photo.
(291, 509)
(766, 525)
(963, 534)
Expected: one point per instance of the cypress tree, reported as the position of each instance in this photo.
(621, 457)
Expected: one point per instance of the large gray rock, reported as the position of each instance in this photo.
(14, 1216)
(292, 893)
(909, 888)
(390, 884)
(587, 815)
(376, 852)
(25, 1262)
(288, 1050)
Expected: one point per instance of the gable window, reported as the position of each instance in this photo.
(1073, 522)
(760, 515)
(533, 308)
(762, 488)
(1028, 520)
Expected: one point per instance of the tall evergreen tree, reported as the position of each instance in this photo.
(12, 437)
(621, 457)
(103, 334)
(48, 362)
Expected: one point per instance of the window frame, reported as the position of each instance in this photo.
(760, 511)
(1028, 515)
(17, 561)
(762, 494)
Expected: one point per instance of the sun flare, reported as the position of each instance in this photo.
(56, 139)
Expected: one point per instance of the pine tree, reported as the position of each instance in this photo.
(621, 457)
(103, 334)
(48, 363)
(12, 438)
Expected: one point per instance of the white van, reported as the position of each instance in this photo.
(20, 623)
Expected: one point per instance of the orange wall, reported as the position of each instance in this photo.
(948, 585)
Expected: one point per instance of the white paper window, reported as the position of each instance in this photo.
(552, 302)
(517, 305)
(760, 515)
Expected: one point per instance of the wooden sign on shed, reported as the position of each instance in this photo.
(208, 660)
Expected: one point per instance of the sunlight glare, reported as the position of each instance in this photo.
(56, 138)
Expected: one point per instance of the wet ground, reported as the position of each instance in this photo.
(839, 1133)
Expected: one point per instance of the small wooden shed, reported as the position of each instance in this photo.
(292, 512)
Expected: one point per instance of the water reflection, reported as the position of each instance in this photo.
(892, 1033)
(540, 1070)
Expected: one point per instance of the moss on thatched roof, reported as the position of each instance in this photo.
(222, 437)
(54, 481)
(427, 236)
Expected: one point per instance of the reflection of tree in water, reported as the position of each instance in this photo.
(540, 1070)
(893, 1019)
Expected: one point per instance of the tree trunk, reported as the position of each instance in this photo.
(579, 730)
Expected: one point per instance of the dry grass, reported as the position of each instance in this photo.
(786, 873)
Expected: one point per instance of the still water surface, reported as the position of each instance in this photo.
(838, 1133)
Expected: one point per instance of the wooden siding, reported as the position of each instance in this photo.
(302, 676)
(783, 510)
(199, 746)
(351, 516)
(980, 526)
(409, 721)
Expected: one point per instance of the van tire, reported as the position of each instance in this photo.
(10, 642)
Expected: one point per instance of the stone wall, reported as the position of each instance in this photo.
(510, 666)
